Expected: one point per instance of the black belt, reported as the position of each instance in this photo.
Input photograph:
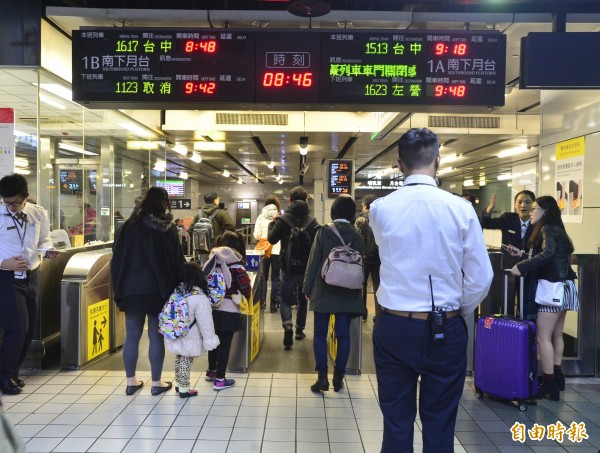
(417, 314)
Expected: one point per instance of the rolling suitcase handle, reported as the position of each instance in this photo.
(506, 275)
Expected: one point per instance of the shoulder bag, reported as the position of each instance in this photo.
(550, 293)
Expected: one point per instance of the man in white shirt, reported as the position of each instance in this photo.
(432, 253)
(24, 236)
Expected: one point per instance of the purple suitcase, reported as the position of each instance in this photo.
(506, 357)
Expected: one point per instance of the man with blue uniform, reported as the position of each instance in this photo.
(434, 270)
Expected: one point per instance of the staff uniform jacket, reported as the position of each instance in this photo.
(326, 298)
(261, 227)
(201, 336)
(221, 222)
(280, 231)
(147, 259)
(553, 260)
(510, 225)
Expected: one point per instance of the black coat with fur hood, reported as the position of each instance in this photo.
(147, 260)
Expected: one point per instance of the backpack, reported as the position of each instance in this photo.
(371, 252)
(343, 266)
(174, 319)
(204, 233)
(216, 287)
(298, 246)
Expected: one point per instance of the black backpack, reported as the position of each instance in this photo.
(298, 246)
(371, 252)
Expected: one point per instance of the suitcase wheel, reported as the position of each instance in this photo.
(522, 406)
(478, 394)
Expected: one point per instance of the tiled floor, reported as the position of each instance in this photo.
(271, 409)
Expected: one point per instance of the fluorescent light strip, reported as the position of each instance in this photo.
(47, 100)
(135, 129)
(76, 149)
(57, 90)
(209, 146)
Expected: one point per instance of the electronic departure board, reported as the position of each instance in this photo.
(339, 177)
(280, 69)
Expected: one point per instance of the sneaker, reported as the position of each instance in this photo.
(300, 335)
(288, 341)
(222, 384)
(210, 375)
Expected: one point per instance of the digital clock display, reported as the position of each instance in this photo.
(287, 69)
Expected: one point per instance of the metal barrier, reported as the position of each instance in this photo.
(247, 232)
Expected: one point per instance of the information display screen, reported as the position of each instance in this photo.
(129, 65)
(174, 187)
(432, 67)
(339, 177)
(70, 181)
(156, 68)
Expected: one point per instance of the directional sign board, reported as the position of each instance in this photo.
(181, 203)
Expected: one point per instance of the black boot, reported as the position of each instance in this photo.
(338, 380)
(560, 378)
(322, 384)
(274, 305)
(548, 387)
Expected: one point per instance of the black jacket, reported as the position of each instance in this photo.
(147, 260)
(510, 224)
(551, 261)
(297, 212)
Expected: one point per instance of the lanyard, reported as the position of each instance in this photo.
(20, 224)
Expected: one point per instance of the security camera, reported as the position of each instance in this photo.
(303, 169)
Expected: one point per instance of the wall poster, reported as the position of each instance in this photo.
(570, 156)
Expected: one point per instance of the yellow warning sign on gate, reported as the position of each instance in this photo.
(98, 322)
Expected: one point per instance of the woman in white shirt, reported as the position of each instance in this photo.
(261, 229)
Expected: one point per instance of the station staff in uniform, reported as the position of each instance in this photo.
(24, 237)
(432, 252)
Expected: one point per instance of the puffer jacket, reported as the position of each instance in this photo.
(261, 226)
(552, 261)
(201, 337)
(325, 298)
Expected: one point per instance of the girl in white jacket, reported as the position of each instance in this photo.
(261, 231)
(201, 336)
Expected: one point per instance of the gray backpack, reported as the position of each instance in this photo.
(203, 233)
(343, 266)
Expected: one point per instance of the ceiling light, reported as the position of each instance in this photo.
(58, 90)
(76, 149)
(482, 182)
(209, 146)
(445, 170)
(183, 175)
(281, 181)
(196, 157)
(142, 144)
(468, 183)
(47, 100)
(239, 181)
(22, 171)
(21, 162)
(135, 129)
(180, 149)
(449, 158)
(512, 152)
(160, 165)
(226, 174)
(504, 177)
(271, 165)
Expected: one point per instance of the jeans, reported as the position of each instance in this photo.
(342, 335)
(270, 263)
(291, 286)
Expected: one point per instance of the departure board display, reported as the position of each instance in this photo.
(286, 69)
(158, 66)
(339, 177)
(432, 67)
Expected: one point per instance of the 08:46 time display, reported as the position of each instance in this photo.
(281, 79)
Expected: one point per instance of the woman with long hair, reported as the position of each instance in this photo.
(146, 265)
(261, 230)
(326, 300)
(550, 259)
